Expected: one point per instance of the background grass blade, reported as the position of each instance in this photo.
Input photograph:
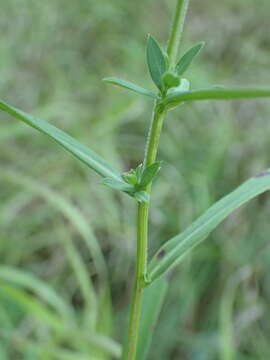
(175, 249)
(80, 151)
(174, 99)
(130, 86)
(30, 282)
(153, 299)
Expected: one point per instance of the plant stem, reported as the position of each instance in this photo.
(142, 239)
(143, 208)
(177, 29)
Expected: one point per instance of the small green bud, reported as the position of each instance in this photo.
(130, 177)
(170, 79)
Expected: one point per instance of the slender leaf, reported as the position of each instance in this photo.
(149, 173)
(172, 252)
(153, 299)
(156, 61)
(80, 151)
(130, 86)
(117, 184)
(186, 60)
(176, 98)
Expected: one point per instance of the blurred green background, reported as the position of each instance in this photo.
(55, 217)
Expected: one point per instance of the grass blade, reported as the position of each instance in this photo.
(176, 248)
(30, 282)
(153, 299)
(156, 61)
(130, 86)
(80, 151)
(176, 98)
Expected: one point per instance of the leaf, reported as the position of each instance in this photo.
(175, 98)
(156, 61)
(183, 87)
(117, 184)
(174, 250)
(186, 60)
(142, 196)
(153, 299)
(149, 173)
(80, 151)
(130, 86)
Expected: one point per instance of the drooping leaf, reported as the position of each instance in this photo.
(174, 250)
(156, 61)
(175, 98)
(130, 86)
(117, 184)
(186, 60)
(80, 151)
(149, 173)
(153, 299)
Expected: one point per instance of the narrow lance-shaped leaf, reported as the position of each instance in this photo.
(176, 98)
(117, 184)
(80, 151)
(130, 86)
(156, 61)
(153, 299)
(187, 59)
(149, 173)
(179, 246)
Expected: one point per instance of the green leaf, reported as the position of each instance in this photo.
(186, 60)
(117, 184)
(142, 196)
(130, 86)
(174, 250)
(153, 299)
(156, 61)
(80, 151)
(175, 98)
(149, 173)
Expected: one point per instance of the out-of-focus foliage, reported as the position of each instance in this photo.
(55, 217)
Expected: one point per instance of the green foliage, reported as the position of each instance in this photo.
(156, 61)
(187, 59)
(130, 86)
(81, 152)
(153, 299)
(180, 245)
(209, 148)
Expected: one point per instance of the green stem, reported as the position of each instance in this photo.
(142, 238)
(177, 29)
(143, 208)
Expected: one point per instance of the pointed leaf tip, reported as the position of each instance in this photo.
(156, 61)
(187, 59)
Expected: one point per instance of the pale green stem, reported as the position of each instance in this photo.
(143, 208)
(177, 30)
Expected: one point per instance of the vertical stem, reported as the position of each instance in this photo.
(177, 29)
(143, 208)
(142, 239)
